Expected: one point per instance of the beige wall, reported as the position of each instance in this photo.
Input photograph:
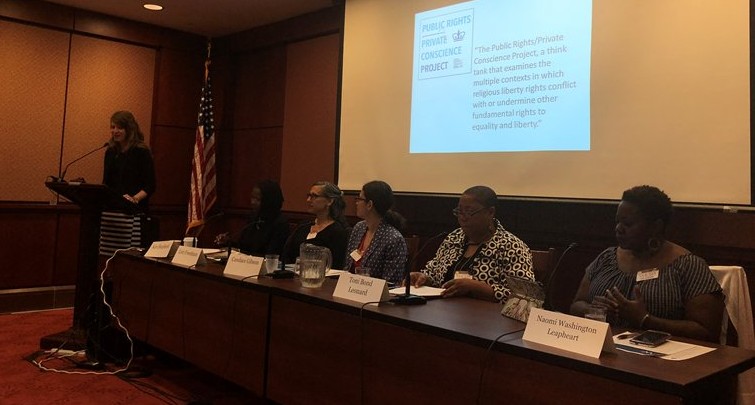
(59, 90)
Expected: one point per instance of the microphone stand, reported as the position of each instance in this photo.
(62, 176)
(407, 298)
(548, 288)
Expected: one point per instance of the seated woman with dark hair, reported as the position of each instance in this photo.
(648, 282)
(328, 229)
(474, 259)
(267, 230)
(376, 247)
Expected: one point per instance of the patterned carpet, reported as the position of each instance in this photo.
(168, 381)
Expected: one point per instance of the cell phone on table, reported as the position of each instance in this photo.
(651, 338)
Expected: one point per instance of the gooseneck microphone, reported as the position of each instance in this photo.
(62, 176)
(408, 298)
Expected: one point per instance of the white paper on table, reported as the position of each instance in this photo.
(424, 291)
(671, 350)
(335, 273)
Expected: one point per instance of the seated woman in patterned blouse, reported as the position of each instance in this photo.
(648, 282)
(376, 247)
(474, 259)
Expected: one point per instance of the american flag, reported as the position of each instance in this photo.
(203, 192)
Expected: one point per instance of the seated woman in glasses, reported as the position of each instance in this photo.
(474, 259)
(329, 228)
(376, 247)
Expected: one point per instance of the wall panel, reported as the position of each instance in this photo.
(177, 103)
(255, 157)
(33, 66)
(309, 127)
(172, 150)
(260, 89)
(26, 247)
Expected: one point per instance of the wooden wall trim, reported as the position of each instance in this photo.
(318, 23)
(55, 16)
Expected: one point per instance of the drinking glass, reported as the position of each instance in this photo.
(596, 313)
(271, 263)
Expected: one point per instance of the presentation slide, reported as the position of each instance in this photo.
(488, 78)
(548, 98)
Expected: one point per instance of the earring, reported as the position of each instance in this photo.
(654, 244)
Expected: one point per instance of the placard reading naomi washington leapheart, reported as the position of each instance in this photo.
(567, 332)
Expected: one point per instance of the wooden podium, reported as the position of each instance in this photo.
(92, 199)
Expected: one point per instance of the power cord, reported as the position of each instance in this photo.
(485, 363)
(40, 363)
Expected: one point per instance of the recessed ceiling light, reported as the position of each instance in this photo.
(153, 7)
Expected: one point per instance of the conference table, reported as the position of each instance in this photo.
(296, 345)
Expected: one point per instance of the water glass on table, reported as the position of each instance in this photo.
(271, 263)
(596, 313)
(362, 271)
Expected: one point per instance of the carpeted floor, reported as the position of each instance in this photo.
(168, 381)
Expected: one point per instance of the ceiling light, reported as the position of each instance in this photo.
(153, 7)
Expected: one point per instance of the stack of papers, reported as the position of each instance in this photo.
(423, 291)
(670, 350)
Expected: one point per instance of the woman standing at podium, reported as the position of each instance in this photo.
(130, 172)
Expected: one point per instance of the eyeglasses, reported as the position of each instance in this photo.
(468, 214)
(313, 195)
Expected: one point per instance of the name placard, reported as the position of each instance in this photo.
(566, 332)
(361, 289)
(242, 266)
(162, 248)
(188, 256)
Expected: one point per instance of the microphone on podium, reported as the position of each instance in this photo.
(408, 298)
(62, 176)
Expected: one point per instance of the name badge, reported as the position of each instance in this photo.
(355, 255)
(460, 275)
(649, 274)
